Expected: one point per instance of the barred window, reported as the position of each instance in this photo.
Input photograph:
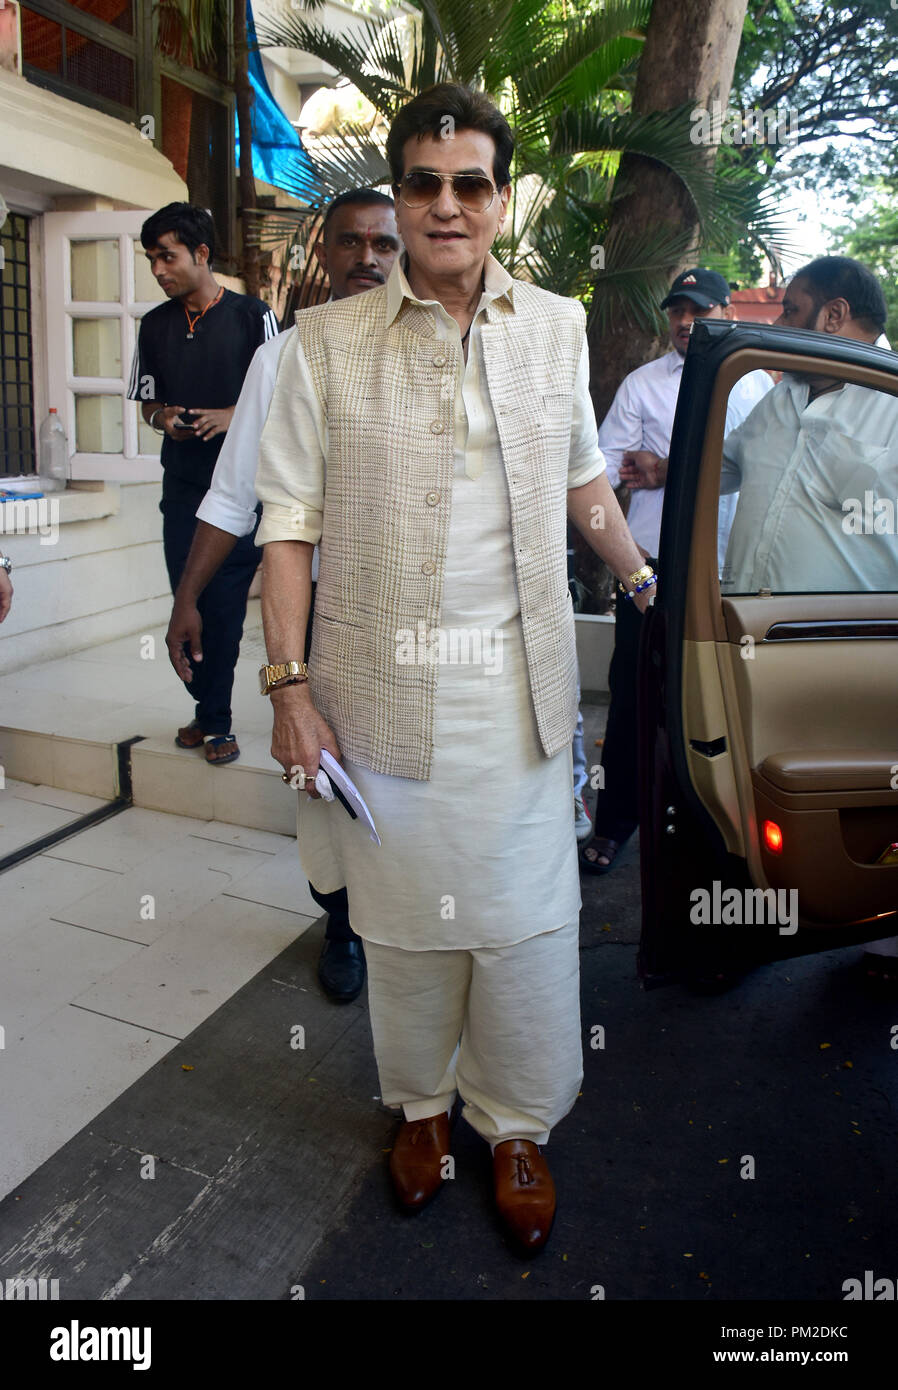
(16, 373)
(76, 59)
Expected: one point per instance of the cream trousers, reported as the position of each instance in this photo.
(501, 1026)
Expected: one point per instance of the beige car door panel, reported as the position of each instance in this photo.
(790, 715)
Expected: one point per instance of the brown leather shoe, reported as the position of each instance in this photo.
(525, 1193)
(416, 1160)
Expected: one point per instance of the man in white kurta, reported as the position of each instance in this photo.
(429, 432)
(635, 440)
(475, 886)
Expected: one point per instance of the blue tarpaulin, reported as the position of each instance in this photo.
(278, 154)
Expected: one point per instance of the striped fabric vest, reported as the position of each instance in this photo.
(388, 392)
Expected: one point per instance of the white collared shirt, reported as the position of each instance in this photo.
(641, 417)
(810, 477)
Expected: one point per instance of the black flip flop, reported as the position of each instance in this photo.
(217, 742)
(609, 848)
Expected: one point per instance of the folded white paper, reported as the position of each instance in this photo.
(330, 771)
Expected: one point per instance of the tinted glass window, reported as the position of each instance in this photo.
(810, 478)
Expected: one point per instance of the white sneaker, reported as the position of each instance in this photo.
(582, 823)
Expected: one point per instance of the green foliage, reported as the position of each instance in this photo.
(740, 266)
(835, 65)
(563, 72)
(873, 238)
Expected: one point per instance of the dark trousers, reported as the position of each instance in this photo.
(337, 906)
(222, 607)
(617, 805)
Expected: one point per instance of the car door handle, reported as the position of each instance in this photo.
(832, 629)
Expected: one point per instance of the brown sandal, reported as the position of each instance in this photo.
(191, 736)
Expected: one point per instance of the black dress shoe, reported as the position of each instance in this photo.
(341, 970)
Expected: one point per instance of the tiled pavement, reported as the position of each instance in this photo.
(117, 943)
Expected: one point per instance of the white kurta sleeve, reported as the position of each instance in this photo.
(292, 456)
(230, 503)
(586, 458)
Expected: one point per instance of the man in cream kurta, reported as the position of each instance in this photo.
(475, 885)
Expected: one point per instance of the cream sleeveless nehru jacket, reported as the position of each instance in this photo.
(369, 476)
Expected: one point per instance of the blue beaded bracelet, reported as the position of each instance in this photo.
(640, 588)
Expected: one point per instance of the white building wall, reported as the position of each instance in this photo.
(99, 574)
(99, 578)
(57, 146)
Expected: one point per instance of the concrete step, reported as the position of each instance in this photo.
(246, 792)
(63, 720)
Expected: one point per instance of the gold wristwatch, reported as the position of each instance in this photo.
(286, 673)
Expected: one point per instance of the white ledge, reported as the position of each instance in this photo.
(25, 516)
(51, 138)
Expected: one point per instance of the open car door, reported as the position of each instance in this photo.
(768, 687)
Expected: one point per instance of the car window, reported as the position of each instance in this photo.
(809, 491)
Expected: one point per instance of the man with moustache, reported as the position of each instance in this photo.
(814, 443)
(434, 435)
(358, 245)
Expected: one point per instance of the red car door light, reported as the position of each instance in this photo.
(773, 837)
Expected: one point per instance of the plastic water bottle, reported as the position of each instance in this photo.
(53, 454)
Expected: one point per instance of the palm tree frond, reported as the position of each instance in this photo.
(355, 55)
(466, 30)
(592, 52)
(634, 277)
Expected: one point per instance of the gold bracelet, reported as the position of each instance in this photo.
(639, 575)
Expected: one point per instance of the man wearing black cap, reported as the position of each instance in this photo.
(635, 438)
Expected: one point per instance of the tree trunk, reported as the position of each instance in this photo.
(243, 92)
(689, 56)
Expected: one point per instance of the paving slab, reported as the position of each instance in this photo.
(194, 966)
(258, 1144)
(38, 889)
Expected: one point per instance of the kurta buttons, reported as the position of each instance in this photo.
(437, 427)
(439, 361)
(428, 567)
(432, 499)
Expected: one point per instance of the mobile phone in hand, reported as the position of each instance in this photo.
(185, 420)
